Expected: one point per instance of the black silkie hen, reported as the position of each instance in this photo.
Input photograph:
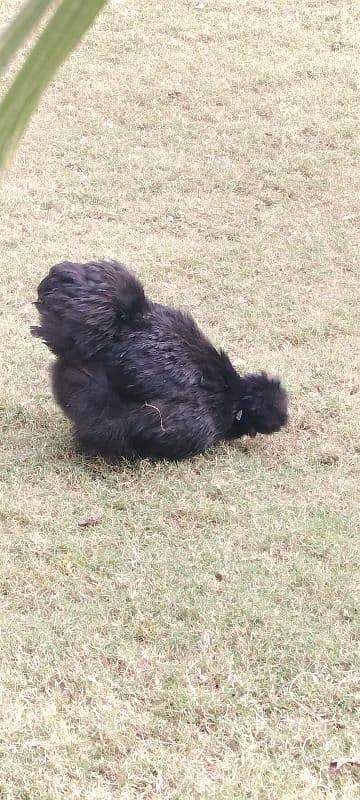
(137, 378)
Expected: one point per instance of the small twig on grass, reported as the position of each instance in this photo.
(338, 763)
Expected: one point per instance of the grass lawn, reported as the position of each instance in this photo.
(200, 641)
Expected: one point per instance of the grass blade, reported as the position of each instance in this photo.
(20, 28)
(61, 35)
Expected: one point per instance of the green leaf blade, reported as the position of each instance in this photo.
(16, 33)
(61, 35)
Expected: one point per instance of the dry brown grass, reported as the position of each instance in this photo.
(202, 640)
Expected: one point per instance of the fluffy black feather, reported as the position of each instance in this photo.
(137, 378)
